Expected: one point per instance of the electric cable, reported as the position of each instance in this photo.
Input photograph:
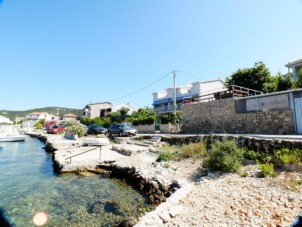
(124, 96)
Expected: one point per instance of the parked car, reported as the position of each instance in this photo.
(96, 129)
(121, 130)
(55, 129)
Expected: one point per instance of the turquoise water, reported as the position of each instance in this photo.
(28, 185)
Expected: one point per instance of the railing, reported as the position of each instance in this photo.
(239, 91)
(232, 91)
(83, 153)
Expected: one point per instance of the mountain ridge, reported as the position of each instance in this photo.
(12, 114)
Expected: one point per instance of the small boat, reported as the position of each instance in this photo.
(11, 137)
(10, 134)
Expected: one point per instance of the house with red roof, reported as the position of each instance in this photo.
(34, 117)
(69, 116)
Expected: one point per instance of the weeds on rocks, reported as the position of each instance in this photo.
(244, 174)
(165, 156)
(288, 156)
(193, 150)
(267, 170)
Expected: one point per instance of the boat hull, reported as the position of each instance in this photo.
(12, 138)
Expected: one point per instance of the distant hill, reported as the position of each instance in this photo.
(11, 114)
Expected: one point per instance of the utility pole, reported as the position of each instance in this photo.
(174, 91)
(58, 109)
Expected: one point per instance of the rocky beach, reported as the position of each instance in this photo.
(186, 196)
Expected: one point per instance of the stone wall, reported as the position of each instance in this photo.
(220, 117)
(145, 128)
(164, 128)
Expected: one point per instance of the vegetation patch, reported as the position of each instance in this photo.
(165, 156)
(76, 128)
(193, 150)
(287, 156)
(224, 156)
(267, 170)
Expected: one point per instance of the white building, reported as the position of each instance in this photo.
(123, 105)
(100, 109)
(34, 117)
(163, 100)
(294, 67)
(5, 120)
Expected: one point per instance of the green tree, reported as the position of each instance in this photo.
(124, 111)
(279, 83)
(144, 116)
(284, 82)
(298, 83)
(86, 120)
(173, 118)
(253, 78)
(38, 125)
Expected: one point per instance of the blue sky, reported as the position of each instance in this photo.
(70, 52)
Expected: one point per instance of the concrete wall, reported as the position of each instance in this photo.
(220, 117)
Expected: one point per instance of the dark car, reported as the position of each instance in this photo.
(96, 129)
(55, 129)
(121, 130)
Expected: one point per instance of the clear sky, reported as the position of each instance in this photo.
(69, 52)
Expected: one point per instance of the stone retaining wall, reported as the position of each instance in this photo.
(164, 128)
(250, 143)
(220, 117)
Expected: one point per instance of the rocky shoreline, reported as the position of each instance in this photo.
(186, 198)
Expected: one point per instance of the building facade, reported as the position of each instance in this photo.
(5, 120)
(34, 117)
(69, 117)
(123, 105)
(163, 100)
(93, 110)
(294, 67)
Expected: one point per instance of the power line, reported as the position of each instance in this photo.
(189, 75)
(124, 96)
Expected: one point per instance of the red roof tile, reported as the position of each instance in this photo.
(70, 115)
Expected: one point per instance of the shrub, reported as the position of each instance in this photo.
(286, 155)
(149, 120)
(173, 118)
(192, 150)
(251, 155)
(224, 156)
(38, 125)
(76, 128)
(267, 170)
(165, 156)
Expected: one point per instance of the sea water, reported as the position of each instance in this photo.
(28, 185)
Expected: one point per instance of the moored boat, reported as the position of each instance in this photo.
(10, 134)
(11, 137)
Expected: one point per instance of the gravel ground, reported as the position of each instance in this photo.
(232, 200)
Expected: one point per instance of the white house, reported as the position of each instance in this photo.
(5, 120)
(100, 109)
(34, 117)
(163, 100)
(294, 67)
(123, 105)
